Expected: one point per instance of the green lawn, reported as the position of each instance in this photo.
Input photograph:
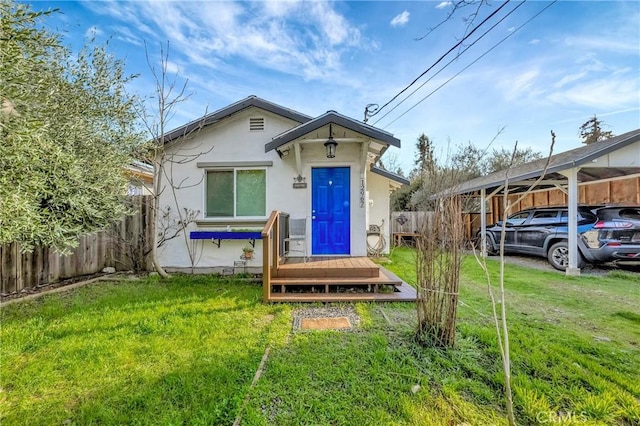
(185, 351)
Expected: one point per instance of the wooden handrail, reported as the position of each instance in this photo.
(270, 253)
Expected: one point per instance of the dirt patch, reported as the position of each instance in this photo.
(325, 318)
(337, 323)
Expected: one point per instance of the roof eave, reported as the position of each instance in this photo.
(389, 175)
(331, 117)
(216, 116)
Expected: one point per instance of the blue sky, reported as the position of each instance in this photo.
(576, 59)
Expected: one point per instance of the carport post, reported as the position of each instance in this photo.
(572, 175)
(483, 222)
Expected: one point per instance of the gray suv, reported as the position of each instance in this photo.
(605, 234)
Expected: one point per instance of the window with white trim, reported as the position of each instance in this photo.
(236, 192)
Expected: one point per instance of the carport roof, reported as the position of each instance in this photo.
(522, 176)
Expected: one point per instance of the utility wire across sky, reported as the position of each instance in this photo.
(472, 63)
(450, 62)
(438, 61)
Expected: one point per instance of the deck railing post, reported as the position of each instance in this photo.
(270, 253)
(266, 268)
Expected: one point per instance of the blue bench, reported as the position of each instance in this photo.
(217, 236)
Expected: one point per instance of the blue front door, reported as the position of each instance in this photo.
(330, 212)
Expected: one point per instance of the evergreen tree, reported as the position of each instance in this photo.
(591, 131)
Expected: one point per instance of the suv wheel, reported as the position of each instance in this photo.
(488, 242)
(558, 256)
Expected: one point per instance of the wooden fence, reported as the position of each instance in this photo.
(626, 190)
(119, 247)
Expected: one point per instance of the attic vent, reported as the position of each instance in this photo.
(256, 123)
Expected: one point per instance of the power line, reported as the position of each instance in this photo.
(449, 63)
(441, 58)
(468, 66)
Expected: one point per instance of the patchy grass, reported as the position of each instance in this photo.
(185, 351)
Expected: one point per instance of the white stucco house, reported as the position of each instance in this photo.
(259, 157)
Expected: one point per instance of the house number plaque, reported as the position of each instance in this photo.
(362, 193)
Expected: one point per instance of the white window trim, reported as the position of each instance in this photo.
(235, 194)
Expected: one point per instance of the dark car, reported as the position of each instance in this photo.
(616, 234)
(605, 234)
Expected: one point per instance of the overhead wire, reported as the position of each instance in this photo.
(449, 63)
(441, 57)
(472, 63)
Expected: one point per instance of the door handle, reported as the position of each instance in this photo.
(313, 217)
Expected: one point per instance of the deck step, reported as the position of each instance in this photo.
(380, 279)
(406, 293)
(328, 268)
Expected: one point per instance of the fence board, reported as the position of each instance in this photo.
(625, 190)
(43, 266)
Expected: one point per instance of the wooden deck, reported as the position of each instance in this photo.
(337, 279)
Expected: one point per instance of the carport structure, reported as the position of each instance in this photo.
(611, 159)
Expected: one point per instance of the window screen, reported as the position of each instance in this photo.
(220, 193)
(251, 193)
(233, 193)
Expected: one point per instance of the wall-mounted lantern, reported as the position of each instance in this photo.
(331, 144)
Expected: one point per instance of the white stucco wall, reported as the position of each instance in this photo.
(379, 197)
(233, 142)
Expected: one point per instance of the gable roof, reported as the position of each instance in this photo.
(389, 175)
(333, 118)
(558, 162)
(248, 102)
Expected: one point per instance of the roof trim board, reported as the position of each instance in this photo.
(389, 175)
(332, 117)
(216, 116)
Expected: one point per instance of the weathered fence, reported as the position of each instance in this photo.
(119, 247)
(626, 190)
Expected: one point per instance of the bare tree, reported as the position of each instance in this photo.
(500, 320)
(457, 7)
(439, 249)
(169, 94)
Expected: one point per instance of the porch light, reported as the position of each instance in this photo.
(331, 144)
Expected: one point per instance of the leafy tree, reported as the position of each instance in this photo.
(67, 128)
(591, 131)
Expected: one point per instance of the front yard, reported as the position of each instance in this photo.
(186, 350)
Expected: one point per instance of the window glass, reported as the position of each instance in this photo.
(235, 193)
(220, 193)
(251, 193)
(544, 217)
(518, 218)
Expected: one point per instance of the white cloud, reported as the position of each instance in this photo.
(535, 41)
(400, 20)
(308, 39)
(601, 93)
(569, 79)
(172, 67)
(443, 4)
(607, 44)
(92, 32)
(520, 85)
